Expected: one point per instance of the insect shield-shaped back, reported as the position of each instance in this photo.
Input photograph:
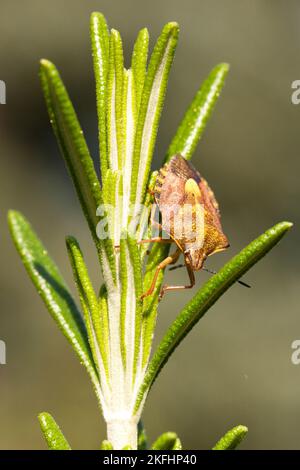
(189, 211)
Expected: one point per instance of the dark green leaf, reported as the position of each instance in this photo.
(207, 296)
(52, 289)
(72, 143)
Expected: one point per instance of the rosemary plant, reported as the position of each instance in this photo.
(112, 333)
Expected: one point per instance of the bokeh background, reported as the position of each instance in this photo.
(235, 367)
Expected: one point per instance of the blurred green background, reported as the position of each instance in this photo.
(235, 367)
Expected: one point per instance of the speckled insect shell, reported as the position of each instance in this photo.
(178, 184)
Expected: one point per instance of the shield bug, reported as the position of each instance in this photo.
(190, 217)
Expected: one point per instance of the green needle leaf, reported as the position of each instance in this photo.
(115, 135)
(52, 433)
(139, 63)
(167, 441)
(152, 100)
(72, 143)
(83, 281)
(198, 113)
(100, 49)
(52, 289)
(207, 296)
(232, 438)
(90, 304)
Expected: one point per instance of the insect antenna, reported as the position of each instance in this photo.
(176, 267)
(239, 281)
(242, 283)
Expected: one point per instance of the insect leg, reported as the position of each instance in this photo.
(191, 276)
(169, 260)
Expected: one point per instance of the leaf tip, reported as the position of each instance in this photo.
(172, 25)
(144, 32)
(11, 214)
(232, 438)
(43, 417)
(115, 33)
(95, 15)
(71, 243)
(286, 225)
(13, 217)
(224, 66)
(47, 69)
(45, 63)
(172, 28)
(52, 432)
(281, 228)
(97, 20)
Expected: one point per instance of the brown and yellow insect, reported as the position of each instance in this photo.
(189, 215)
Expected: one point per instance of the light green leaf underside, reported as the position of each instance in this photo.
(135, 260)
(124, 297)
